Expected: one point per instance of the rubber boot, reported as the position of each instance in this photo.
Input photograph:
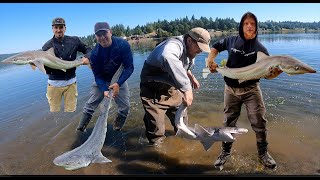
(262, 146)
(84, 121)
(119, 122)
(224, 155)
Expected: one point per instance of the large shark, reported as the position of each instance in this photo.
(90, 150)
(265, 67)
(207, 136)
(40, 59)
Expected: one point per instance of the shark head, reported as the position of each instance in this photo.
(72, 162)
(227, 133)
(234, 130)
(293, 66)
(20, 59)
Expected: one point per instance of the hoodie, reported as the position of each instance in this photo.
(241, 52)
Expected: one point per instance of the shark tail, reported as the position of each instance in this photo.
(202, 132)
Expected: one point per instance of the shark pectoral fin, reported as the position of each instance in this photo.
(40, 65)
(201, 131)
(33, 66)
(207, 144)
(101, 159)
(273, 72)
(64, 70)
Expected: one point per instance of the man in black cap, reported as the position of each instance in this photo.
(106, 58)
(60, 83)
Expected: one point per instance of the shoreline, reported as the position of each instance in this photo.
(215, 34)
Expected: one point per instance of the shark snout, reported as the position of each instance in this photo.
(7, 61)
(242, 130)
(306, 69)
(312, 70)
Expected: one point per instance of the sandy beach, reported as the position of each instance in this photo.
(33, 151)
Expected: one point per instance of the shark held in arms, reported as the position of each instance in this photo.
(40, 59)
(265, 67)
(90, 150)
(207, 136)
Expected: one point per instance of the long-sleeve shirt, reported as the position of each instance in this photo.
(106, 61)
(65, 49)
(168, 63)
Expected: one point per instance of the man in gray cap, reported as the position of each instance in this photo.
(167, 80)
(60, 83)
(106, 58)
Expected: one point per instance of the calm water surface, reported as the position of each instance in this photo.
(31, 136)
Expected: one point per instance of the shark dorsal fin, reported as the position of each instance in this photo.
(260, 55)
(201, 130)
(51, 51)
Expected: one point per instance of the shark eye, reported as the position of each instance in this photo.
(296, 68)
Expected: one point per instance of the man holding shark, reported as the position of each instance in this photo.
(107, 56)
(63, 83)
(242, 51)
(167, 81)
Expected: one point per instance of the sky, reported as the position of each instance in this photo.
(27, 26)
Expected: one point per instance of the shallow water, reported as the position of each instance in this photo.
(31, 136)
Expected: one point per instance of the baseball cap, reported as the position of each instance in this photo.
(101, 26)
(58, 21)
(202, 37)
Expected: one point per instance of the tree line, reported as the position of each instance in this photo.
(164, 28)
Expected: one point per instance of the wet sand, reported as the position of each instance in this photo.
(293, 146)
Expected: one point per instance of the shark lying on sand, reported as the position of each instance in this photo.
(40, 59)
(265, 67)
(90, 150)
(207, 136)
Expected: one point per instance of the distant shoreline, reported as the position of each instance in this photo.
(229, 32)
(214, 34)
